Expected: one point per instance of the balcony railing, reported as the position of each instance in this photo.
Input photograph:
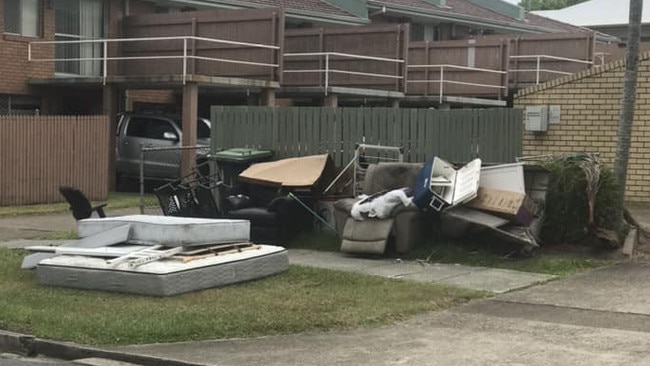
(538, 70)
(443, 79)
(184, 56)
(326, 59)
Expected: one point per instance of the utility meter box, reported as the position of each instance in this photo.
(536, 118)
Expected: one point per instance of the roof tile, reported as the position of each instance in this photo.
(453, 7)
(314, 6)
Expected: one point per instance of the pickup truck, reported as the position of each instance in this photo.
(135, 131)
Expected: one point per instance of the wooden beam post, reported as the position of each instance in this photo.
(331, 100)
(190, 116)
(268, 97)
(109, 108)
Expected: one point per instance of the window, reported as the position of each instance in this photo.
(23, 17)
(424, 32)
(202, 128)
(137, 127)
(19, 105)
(150, 128)
(78, 20)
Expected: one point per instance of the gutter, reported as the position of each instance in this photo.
(470, 20)
(606, 38)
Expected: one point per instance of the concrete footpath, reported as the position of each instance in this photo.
(600, 317)
(15, 228)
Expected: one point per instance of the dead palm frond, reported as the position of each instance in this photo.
(589, 163)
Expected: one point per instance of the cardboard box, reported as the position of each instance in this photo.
(517, 207)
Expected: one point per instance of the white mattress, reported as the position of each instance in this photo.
(171, 231)
(163, 277)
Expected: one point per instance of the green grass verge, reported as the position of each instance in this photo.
(475, 254)
(301, 299)
(544, 261)
(115, 200)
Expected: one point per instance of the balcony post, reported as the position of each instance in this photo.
(442, 82)
(327, 72)
(184, 62)
(105, 63)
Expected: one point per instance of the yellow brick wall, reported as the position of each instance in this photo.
(590, 103)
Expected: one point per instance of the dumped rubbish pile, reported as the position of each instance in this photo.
(509, 202)
(505, 200)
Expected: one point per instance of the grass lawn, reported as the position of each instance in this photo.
(115, 200)
(301, 299)
(544, 261)
(478, 253)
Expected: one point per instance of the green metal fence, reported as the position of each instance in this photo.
(494, 135)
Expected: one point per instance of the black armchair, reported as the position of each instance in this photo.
(275, 218)
(80, 205)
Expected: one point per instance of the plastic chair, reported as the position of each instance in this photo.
(79, 205)
(168, 200)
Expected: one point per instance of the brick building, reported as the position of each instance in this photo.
(590, 104)
(25, 21)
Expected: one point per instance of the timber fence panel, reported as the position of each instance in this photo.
(350, 128)
(303, 137)
(402, 131)
(40, 153)
(432, 137)
(331, 134)
(494, 135)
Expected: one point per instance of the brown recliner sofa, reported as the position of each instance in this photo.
(408, 224)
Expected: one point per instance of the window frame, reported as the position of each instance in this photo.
(21, 19)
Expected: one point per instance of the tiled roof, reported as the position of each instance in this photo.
(312, 6)
(541, 21)
(453, 8)
(462, 7)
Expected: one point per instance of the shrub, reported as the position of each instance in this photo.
(566, 215)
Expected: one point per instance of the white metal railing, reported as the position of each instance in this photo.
(538, 69)
(185, 56)
(329, 56)
(442, 81)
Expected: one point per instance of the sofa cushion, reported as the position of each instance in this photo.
(389, 176)
(366, 237)
(345, 204)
